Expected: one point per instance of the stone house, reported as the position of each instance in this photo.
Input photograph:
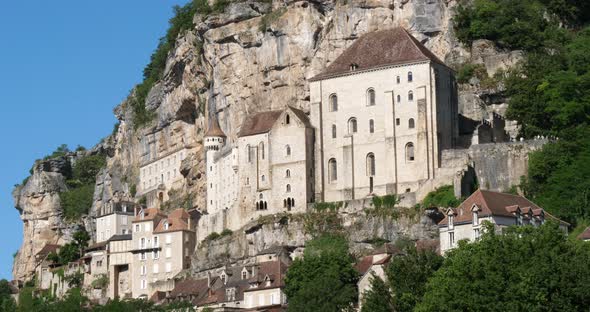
(384, 110)
(44, 265)
(373, 265)
(114, 219)
(500, 209)
(119, 266)
(162, 245)
(584, 236)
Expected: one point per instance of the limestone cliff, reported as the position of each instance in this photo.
(251, 57)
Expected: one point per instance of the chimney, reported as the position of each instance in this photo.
(208, 279)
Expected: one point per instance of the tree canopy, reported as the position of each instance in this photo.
(526, 269)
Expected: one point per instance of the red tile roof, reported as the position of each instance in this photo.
(177, 221)
(149, 214)
(259, 123)
(47, 249)
(379, 49)
(263, 122)
(585, 235)
(490, 204)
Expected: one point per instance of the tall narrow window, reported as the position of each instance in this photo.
(371, 126)
(332, 170)
(410, 151)
(248, 155)
(288, 173)
(288, 150)
(333, 103)
(261, 148)
(370, 97)
(287, 119)
(475, 218)
(352, 126)
(451, 239)
(288, 188)
(411, 124)
(333, 131)
(410, 96)
(398, 80)
(399, 98)
(410, 77)
(370, 164)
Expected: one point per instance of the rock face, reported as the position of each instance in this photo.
(39, 206)
(254, 56)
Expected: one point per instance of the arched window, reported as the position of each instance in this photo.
(370, 164)
(265, 206)
(333, 131)
(399, 98)
(287, 119)
(249, 155)
(411, 124)
(410, 77)
(352, 125)
(292, 202)
(410, 96)
(284, 203)
(288, 150)
(263, 178)
(261, 148)
(397, 79)
(261, 196)
(288, 173)
(332, 170)
(288, 188)
(370, 97)
(257, 206)
(410, 151)
(371, 126)
(333, 103)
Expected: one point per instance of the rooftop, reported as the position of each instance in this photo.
(379, 49)
(214, 129)
(262, 122)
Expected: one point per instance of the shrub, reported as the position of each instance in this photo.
(443, 196)
(76, 202)
(226, 232)
(213, 236)
(86, 168)
(133, 190)
(100, 282)
(269, 18)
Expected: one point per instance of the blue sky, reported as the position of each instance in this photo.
(64, 66)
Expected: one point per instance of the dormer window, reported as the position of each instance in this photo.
(244, 274)
(451, 221)
(287, 119)
(354, 66)
(475, 218)
(142, 214)
(223, 278)
(166, 225)
(267, 280)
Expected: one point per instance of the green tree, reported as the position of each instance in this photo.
(443, 197)
(408, 275)
(324, 279)
(7, 304)
(526, 269)
(378, 298)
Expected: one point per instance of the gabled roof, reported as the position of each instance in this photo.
(492, 204)
(585, 235)
(149, 214)
(379, 49)
(177, 221)
(262, 122)
(47, 249)
(214, 129)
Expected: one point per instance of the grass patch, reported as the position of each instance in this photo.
(443, 196)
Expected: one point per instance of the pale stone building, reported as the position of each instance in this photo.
(373, 265)
(120, 261)
(384, 110)
(162, 245)
(114, 219)
(269, 169)
(501, 209)
(159, 171)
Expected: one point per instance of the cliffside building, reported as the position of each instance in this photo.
(383, 110)
(268, 170)
(114, 219)
(162, 248)
(500, 209)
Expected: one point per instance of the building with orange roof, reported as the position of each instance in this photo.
(161, 247)
(501, 209)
